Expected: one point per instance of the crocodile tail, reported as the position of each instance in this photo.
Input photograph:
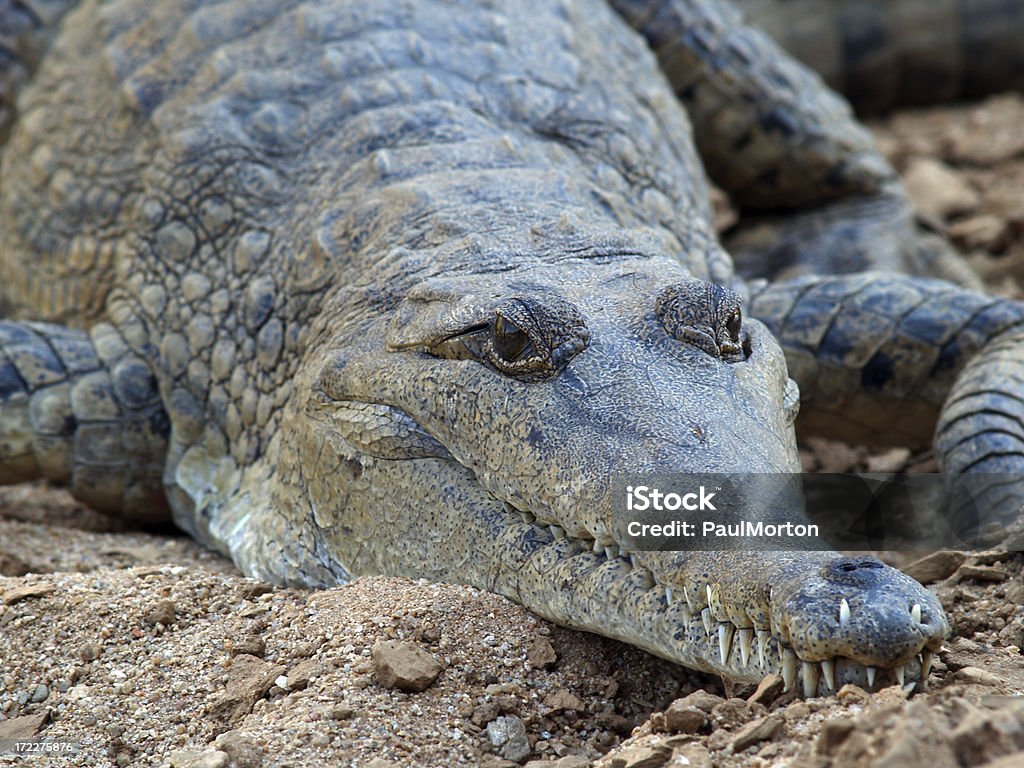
(883, 53)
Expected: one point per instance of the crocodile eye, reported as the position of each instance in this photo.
(734, 324)
(510, 342)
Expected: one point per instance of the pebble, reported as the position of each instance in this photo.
(756, 731)
(769, 689)
(215, 759)
(936, 189)
(681, 717)
(404, 665)
(642, 757)
(976, 676)
(162, 613)
(833, 733)
(541, 654)
(508, 735)
(40, 694)
(936, 566)
(253, 645)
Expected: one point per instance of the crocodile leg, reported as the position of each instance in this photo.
(875, 354)
(82, 410)
(980, 440)
(780, 142)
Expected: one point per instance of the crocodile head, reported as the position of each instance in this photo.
(470, 432)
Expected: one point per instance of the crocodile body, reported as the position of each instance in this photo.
(398, 290)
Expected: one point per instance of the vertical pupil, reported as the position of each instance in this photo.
(509, 340)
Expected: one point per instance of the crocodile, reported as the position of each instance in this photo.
(349, 288)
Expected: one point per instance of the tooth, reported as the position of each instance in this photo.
(611, 552)
(633, 561)
(668, 595)
(598, 548)
(844, 612)
(828, 668)
(527, 517)
(725, 640)
(706, 616)
(788, 668)
(686, 594)
(900, 674)
(763, 636)
(926, 665)
(707, 588)
(909, 687)
(811, 673)
(871, 677)
(915, 613)
(746, 637)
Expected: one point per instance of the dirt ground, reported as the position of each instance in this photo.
(150, 651)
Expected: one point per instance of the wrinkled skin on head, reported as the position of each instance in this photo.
(470, 433)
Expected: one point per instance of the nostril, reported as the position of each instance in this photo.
(849, 566)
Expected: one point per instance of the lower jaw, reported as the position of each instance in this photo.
(602, 589)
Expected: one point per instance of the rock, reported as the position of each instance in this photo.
(833, 733)
(162, 613)
(341, 712)
(684, 718)
(569, 761)
(562, 700)
(986, 232)
(243, 752)
(978, 738)
(936, 566)
(23, 727)
(484, 713)
(300, 675)
(733, 712)
(982, 573)
(1016, 760)
(851, 693)
(27, 592)
(702, 700)
(12, 565)
(40, 694)
(653, 756)
(379, 762)
(798, 710)
(768, 690)
(936, 189)
(182, 759)
(572, 761)
(249, 679)
(90, 651)
(697, 755)
(252, 590)
(541, 654)
(404, 665)
(253, 645)
(976, 676)
(508, 735)
(756, 731)
(615, 723)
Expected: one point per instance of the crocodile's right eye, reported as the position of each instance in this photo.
(510, 342)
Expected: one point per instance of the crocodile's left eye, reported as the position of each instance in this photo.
(734, 325)
(509, 342)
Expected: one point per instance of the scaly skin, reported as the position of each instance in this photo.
(414, 282)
